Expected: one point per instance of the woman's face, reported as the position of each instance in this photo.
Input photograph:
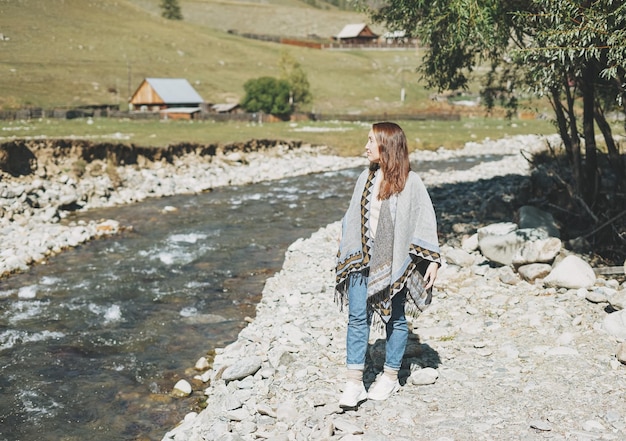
(372, 150)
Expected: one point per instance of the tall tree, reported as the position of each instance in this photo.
(292, 72)
(571, 51)
(171, 10)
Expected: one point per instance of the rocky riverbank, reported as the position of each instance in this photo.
(43, 182)
(525, 344)
(500, 354)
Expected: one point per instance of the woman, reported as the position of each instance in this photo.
(388, 253)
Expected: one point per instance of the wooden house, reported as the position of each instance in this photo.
(179, 112)
(167, 94)
(359, 33)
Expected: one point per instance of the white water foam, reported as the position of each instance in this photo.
(27, 292)
(6, 293)
(47, 280)
(31, 404)
(11, 338)
(188, 311)
(188, 238)
(110, 313)
(175, 251)
(24, 310)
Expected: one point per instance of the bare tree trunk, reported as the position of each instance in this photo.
(575, 158)
(591, 184)
(614, 157)
(561, 120)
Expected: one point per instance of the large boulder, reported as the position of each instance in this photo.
(500, 242)
(572, 272)
(533, 217)
(537, 251)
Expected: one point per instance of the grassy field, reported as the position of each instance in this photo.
(342, 138)
(291, 18)
(70, 52)
(66, 53)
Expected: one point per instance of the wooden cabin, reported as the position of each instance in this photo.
(179, 112)
(359, 33)
(160, 94)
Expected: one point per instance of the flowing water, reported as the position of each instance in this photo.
(92, 342)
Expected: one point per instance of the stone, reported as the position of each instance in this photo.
(621, 352)
(242, 368)
(458, 256)
(541, 425)
(237, 414)
(618, 300)
(508, 276)
(182, 389)
(424, 376)
(533, 217)
(264, 409)
(202, 364)
(534, 271)
(500, 242)
(595, 296)
(615, 324)
(537, 251)
(190, 417)
(470, 243)
(286, 411)
(572, 272)
(347, 427)
(108, 226)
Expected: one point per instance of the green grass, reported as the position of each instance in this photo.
(342, 138)
(292, 18)
(67, 53)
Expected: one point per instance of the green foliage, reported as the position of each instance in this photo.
(106, 68)
(568, 37)
(292, 72)
(268, 95)
(571, 51)
(171, 10)
(459, 34)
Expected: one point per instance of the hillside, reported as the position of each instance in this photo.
(65, 53)
(293, 18)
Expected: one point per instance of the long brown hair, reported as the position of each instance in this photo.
(394, 157)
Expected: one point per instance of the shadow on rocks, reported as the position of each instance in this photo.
(416, 354)
(464, 207)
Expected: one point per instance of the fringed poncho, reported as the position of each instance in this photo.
(406, 242)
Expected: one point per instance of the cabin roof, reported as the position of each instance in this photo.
(355, 30)
(174, 90)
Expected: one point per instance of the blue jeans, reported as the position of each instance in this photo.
(359, 320)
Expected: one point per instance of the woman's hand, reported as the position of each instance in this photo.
(431, 274)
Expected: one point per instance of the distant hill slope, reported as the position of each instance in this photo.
(293, 18)
(66, 53)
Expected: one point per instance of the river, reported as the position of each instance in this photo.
(92, 341)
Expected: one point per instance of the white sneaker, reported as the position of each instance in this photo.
(353, 394)
(383, 388)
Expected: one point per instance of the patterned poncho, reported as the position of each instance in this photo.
(406, 242)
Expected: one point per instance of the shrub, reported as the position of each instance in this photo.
(267, 94)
